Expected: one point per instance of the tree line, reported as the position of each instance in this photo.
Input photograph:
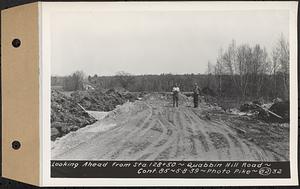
(241, 71)
(253, 72)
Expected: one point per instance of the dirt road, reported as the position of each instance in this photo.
(153, 130)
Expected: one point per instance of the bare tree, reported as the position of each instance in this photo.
(244, 64)
(281, 58)
(219, 70)
(258, 68)
(74, 81)
(209, 73)
(125, 79)
(243, 60)
(229, 59)
(235, 61)
(78, 78)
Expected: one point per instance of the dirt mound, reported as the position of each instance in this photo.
(66, 115)
(282, 109)
(127, 110)
(100, 100)
(277, 112)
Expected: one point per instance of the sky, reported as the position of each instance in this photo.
(155, 42)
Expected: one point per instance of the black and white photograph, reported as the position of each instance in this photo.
(150, 94)
(144, 92)
(164, 83)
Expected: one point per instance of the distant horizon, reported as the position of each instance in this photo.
(86, 75)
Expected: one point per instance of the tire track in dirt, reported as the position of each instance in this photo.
(164, 150)
(198, 135)
(164, 133)
(162, 145)
(162, 139)
(180, 152)
(202, 132)
(174, 130)
(107, 141)
(188, 133)
(125, 142)
(218, 134)
(116, 131)
(197, 149)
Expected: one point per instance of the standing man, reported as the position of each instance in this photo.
(175, 92)
(196, 93)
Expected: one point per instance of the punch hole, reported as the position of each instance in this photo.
(16, 43)
(16, 145)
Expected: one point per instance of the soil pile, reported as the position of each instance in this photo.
(125, 111)
(66, 115)
(100, 100)
(279, 111)
(282, 109)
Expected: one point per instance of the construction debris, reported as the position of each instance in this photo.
(66, 115)
(278, 111)
(100, 100)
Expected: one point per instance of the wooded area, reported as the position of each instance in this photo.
(241, 71)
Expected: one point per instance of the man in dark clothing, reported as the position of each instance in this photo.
(196, 93)
(175, 92)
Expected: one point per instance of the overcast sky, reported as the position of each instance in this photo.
(155, 42)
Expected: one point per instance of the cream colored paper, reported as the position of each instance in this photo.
(20, 93)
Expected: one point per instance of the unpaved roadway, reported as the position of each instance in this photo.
(153, 130)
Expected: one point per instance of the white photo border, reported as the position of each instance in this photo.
(46, 9)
